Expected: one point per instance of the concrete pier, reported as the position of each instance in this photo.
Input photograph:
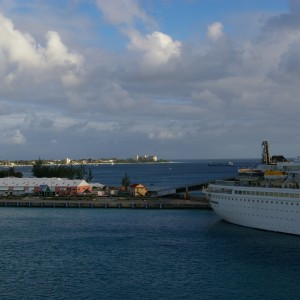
(106, 202)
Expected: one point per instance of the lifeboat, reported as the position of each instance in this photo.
(274, 174)
(249, 174)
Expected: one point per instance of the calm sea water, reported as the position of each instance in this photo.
(142, 254)
(178, 173)
(161, 175)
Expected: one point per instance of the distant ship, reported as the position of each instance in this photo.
(267, 197)
(216, 164)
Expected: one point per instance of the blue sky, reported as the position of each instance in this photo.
(119, 78)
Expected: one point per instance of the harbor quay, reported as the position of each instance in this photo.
(106, 202)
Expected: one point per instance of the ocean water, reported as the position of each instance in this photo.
(163, 175)
(64, 253)
(141, 254)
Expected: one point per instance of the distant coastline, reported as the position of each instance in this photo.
(25, 163)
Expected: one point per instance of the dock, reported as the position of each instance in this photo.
(106, 202)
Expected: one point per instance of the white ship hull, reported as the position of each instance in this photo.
(273, 209)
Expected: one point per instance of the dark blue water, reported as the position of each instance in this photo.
(162, 175)
(179, 173)
(143, 254)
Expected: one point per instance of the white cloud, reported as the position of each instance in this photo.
(12, 137)
(157, 48)
(22, 58)
(207, 97)
(215, 31)
(123, 12)
(157, 90)
(58, 54)
(165, 134)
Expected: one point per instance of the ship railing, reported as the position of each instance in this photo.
(225, 182)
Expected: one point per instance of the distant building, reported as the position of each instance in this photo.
(11, 186)
(67, 160)
(137, 190)
(146, 158)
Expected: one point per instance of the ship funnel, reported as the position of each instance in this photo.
(265, 153)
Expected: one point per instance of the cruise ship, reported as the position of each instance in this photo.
(266, 197)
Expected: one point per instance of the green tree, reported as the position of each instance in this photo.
(39, 170)
(90, 175)
(10, 173)
(126, 181)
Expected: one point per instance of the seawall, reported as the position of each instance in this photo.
(106, 202)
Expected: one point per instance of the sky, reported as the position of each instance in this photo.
(180, 79)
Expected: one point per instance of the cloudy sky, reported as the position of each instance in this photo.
(175, 78)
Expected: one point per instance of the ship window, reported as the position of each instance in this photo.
(256, 193)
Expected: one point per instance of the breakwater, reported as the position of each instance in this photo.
(107, 202)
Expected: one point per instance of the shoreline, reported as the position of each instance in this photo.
(91, 164)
